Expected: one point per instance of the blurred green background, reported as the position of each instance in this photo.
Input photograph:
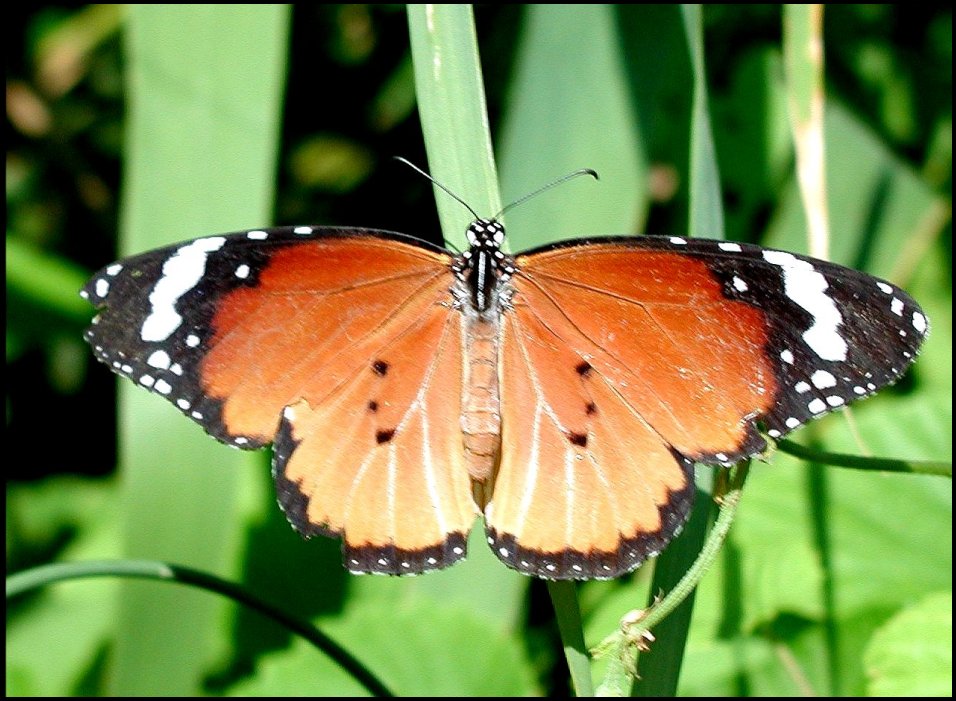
(833, 581)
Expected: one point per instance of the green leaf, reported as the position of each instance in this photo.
(418, 649)
(912, 653)
(55, 637)
(569, 108)
(451, 101)
(706, 208)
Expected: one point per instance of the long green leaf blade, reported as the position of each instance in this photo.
(451, 102)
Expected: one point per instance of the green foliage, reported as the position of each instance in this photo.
(833, 581)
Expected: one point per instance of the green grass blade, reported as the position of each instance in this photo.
(45, 280)
(569, 108)
(205, 86)
(706, 209)
(451, 105)
(803, 58)
(564, 599)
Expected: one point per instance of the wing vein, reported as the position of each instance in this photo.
(603, 350)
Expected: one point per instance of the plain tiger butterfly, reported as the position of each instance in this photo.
(563, 393)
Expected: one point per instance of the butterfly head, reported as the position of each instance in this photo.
(485, 235)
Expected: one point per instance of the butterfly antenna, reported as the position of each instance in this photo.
(563, 178)
(438, 184)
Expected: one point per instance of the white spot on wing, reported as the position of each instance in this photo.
(729, 246)
(786, 356)
(192, 340)
(159, 359)
(740, 285)
(678, 241)
(919, 322)
(806, 287)
(816, 406)
(302, 230)
(821, 379)
(163, 387)
(258, 235)
(896, 306)
(884, 287)
(102, 287)
(242, 272)
(182, 271)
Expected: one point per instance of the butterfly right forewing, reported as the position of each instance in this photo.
(624, 360)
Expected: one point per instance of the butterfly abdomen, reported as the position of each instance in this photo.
(481, 405)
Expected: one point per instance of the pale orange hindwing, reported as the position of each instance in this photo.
(364, 371)
(614, 378)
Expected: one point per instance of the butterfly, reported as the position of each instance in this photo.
(563, 393)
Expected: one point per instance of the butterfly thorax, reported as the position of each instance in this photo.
(483, 269)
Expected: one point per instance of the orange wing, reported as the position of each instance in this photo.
(340, 346)
(602, 415)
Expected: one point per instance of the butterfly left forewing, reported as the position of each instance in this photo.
(341, 345)
(229, 328)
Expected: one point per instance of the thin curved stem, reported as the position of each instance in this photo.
(39, 577)
(860, 462)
